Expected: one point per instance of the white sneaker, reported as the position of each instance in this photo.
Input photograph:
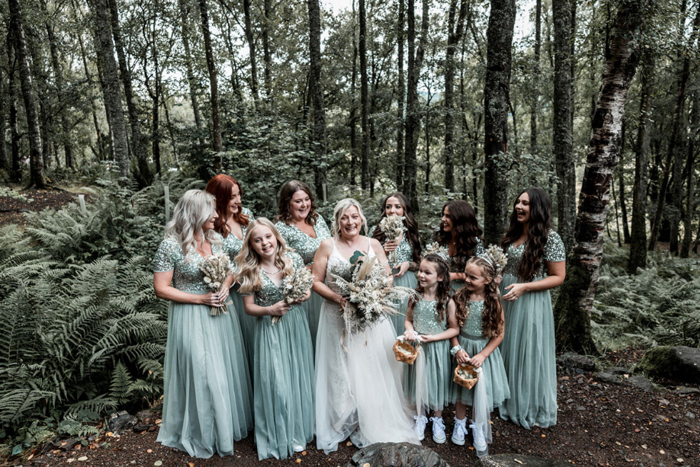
(480, 445)
(438, 430)
(459, 431)
(298, 448)
(419, 427)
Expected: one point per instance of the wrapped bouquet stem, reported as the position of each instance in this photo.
(393, 228)
(216, 268)
(296, 287)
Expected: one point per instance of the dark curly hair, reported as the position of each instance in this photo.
(491, 319)
(443, 288)
(465, 228)
(284, 214)
(537, 231)
(412, 233)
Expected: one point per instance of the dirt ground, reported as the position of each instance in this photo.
(11, 209)
(598, 425)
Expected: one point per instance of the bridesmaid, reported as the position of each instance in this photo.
(206, 391)
(461, 235)
(536, 263)
(232, 224)
(303, 229)
(408, 250)
(284, 368)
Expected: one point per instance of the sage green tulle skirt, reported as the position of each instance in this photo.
(312, 307)
(528, 351)
(284, 384)
(410, 281)
(493, 373)
(207, 395)
(247, 326)
(438, 371)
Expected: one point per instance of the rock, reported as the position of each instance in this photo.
(145, 416)
(396, 455)
(607, 378)
(575, 360)
(619, 370)
(517, 460)
(70, 444)
(664, 402)
(685, 390)
(678, 363)
(140, 428)
(690, 415)
(121, 420)
(642, 383)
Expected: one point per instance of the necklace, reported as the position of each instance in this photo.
(270, 273)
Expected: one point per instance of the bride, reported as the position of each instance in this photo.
(358, 380)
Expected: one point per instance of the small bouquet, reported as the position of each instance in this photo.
(296, 287)
(216, 268)
(436, 249)
(494, 255)
(393, 227)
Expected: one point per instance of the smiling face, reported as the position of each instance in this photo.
(393, 207)
(522, 208)
(300, 205)
(350, 223)
(428, 274)
(446, 220)
(234, 205)
(263, 241)
(209, 225)
(474, 281)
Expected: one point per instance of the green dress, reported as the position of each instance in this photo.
(438, 367)
(473, 341)
(283, 376)
(459, 262)
(306, 247)
(232, 245)
(207, 395)
(528, 344)
(404, 252)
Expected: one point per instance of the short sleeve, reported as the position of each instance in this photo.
(248, 213)
(479, 248)
(554, 250)
(298, 261)
(163, 260)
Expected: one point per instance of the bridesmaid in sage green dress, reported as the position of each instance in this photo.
(461, 235)
(207, 395)
(284, 368)
(303, 229)
(232, 223)
(536, 263)
(408, 251)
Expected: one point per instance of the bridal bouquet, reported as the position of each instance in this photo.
(296, 287)
(216, 268)
(436, 249)
(392, 226)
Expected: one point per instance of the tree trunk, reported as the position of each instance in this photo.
(353, 104)
(535, 78)
(496, 90)
(401, 92)
(4, 160)
(30, 105)
(638, 240)
(574, 304)
(364, 97)
(251, 50)
(16, 168)
(267, 53)
(192, 83)
(316, 89)
(110, 85)
(621, 178)
(213, 83)
(690, 169)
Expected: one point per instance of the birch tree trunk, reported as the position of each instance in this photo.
(213, 81)
(251, 50)
(689, 169)
(16, 168)
(4, 160)
(401, 91)
(535, 78)
(353, 104)
(575, 301)
(316, 90)
(364, 98)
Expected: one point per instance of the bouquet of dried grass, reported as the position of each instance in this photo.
(296, 287)
(393, 227)
(216, 268)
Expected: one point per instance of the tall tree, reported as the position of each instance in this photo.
(401, 92)
(535, 77)
(250, 37)
(213, 82)
(575, 301)
(316, 90)
(4, 160)
(621, 178)
(689, 170)
(189, 68)
(353, 102)
(499, 36)
(267, 52)
(15, 169)
(364, 97)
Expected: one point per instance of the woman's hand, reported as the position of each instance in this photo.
(390, 246)
(223, 294)
(303, 299)
(211, 299)
(515, 291)
(477, 360)
(278, 309)
(411, 335)
(403, 269)
(342, 302)
(462, 356)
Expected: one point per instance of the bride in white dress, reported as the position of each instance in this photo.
(358, 380)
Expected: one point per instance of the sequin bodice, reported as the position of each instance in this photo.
(554, 251)
(232, 244)
(341, 267)
(269, 293)
(304, 245)
(459, 262)
(473, 324)
(404, 252)
(425, 318)
(186, 274)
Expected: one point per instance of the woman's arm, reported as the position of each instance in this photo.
(278, 309)
(162, 283)
(556, 274)
(319, 269)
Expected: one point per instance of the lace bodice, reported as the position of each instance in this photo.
(425, 318)
(304, 245)
(232, 244)
(186, 274)
(404, 252)
(472, 325)
(269, 293)
(554, 251)
(341, 267)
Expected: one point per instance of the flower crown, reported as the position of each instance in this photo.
(495, 256)
(436, 249)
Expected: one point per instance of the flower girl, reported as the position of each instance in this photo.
(283, 371)
(431, 320)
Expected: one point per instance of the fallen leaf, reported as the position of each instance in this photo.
(298, 461)
(158, 463)
(190, 464)
(82, 459)
(662, 452)
(544, 436)
(149, 450)
(70, 460)
(158, 421)
(680, 461)
(109, 433)
(303, 453)
(349, 443)
(518, 461)
(30, 457)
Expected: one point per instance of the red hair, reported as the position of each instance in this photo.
(221, 186)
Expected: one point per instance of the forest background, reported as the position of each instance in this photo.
(134, 102)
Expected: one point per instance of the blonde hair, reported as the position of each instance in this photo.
(340, 208)
(192, 210)
(248, 260)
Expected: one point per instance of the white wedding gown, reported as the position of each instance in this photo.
(358, 388)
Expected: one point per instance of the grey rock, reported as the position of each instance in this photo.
(608, 378)
(140, 428)
(70, 444)
(663, 402)
(619, 370)
(145, 416)
(396, 455)
(121, 420)
(575, 360)
(685, 390)
(678, 363)
(642, 383)
(517, 460)
(690, 415)
(580, 408)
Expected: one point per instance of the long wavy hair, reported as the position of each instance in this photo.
(221, 187)
(248, 260)
(491, 319)
(538, 229)
(284, 213)
(465, 228)
(412, 233)
(192, 210)
(340, 208)
(443, 291)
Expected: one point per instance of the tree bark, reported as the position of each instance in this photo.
(4, 160)
(316, 89)
(535, 78)
(621, 178)
(213, 83)
(364, 97)
(575, 301)
(690, 169)
(189, 69)
(251, 50)
(36, 166)
(401, 92)
(267, 53)
(16, 168)
(353, 104)
(496, 91)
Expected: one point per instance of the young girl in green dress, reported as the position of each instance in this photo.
(461, 235)
(407, 248)
(480, 319)
(431, 319)
(283, 379)
(536, 263)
